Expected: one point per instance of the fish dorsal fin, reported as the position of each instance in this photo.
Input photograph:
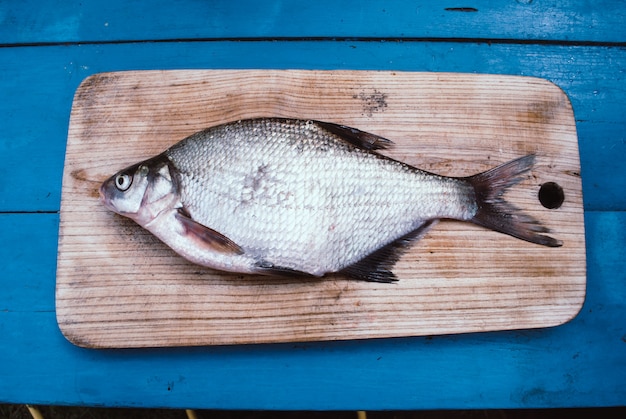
(357, 138)
(376, 267)
(207, 236)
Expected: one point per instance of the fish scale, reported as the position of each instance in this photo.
(333, 191)
(274, 195)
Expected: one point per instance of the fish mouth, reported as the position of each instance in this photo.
(103, 197)
(101, 193)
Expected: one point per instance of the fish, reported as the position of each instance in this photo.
(280, 196)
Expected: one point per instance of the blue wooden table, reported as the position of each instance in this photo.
(48, 48)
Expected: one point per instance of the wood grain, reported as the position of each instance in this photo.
(118, 286)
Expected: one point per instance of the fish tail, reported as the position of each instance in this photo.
(496, 213)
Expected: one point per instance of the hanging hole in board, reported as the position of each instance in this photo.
(551, 195)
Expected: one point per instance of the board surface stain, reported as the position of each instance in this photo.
(374, 101)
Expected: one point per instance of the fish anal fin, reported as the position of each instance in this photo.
(376, 267)
(357, 138)
(267, 268)
(207, 236)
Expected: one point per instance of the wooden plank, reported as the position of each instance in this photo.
(80, 21)
(35, 129)
(578, 364)
(446, 123)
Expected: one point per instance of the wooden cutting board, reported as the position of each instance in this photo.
(118, 286)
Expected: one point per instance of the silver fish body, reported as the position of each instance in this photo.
(291, 196)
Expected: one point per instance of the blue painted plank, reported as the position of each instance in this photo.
(581, 363)
(39, 83)
(34, 21)
(28, 262)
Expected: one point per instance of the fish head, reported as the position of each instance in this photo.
(142, 191)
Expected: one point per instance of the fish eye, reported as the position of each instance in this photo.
(123, 181)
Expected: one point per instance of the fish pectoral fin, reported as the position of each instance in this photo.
(207, 236)
(376, 267)
(356, 137)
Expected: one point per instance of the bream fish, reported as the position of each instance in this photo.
(291, 196)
